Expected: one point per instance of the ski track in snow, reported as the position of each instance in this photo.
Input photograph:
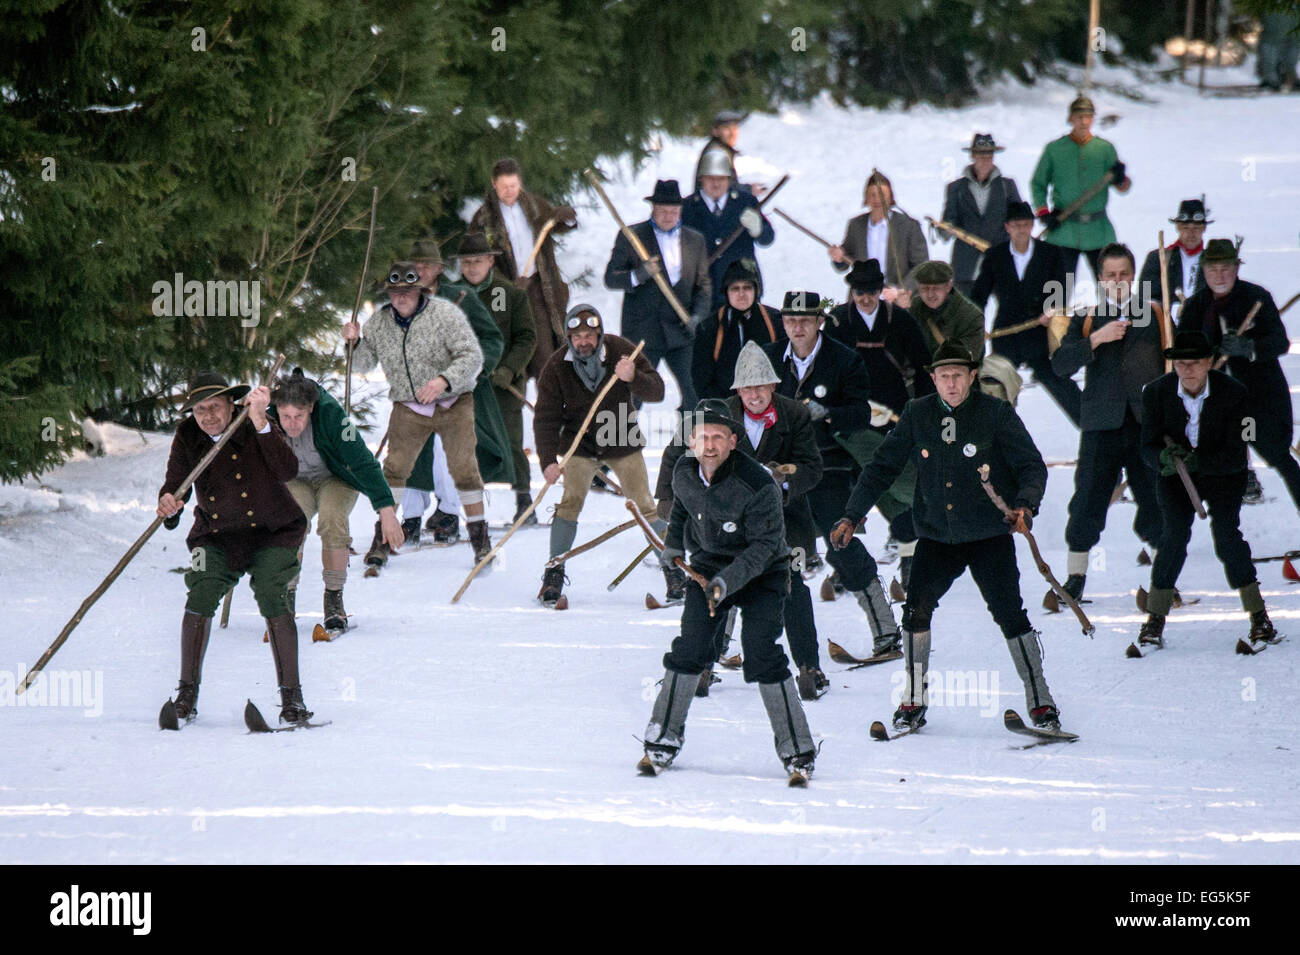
(495, 731)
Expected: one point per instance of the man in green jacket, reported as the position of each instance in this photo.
(430, 474)
(334, 465)
(508, 304)
(943, 313)
(1068, 167)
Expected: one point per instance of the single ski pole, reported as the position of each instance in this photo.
(573, 449)
(139, 542)
(1187, 481)
(594, 542)
(361, 288)
(726, 244)
(630, 567)
(658, 545)
(225, 607)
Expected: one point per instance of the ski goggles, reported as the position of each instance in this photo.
(407, 277)
(591, 321)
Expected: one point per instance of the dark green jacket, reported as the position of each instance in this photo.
(493, 448)
(958, 319)
(342, 449)
(508, 305)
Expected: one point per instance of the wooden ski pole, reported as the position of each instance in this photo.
(657, 544)
(537, 247)
(717, 253)
(1166, 323)
(1289, 302)
(1015, 329)
(630, 567)
(808, 232)
(639, 248)
(1187, 481)
(1244, 327)
(361, 288)
(573, 448)
(225, 607)
(1043, 568)
(139, 542)
(520, 395)
(594, 542)
(974, 241)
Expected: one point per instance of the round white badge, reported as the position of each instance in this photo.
(969, 450)
(729, 527)
(820, 391)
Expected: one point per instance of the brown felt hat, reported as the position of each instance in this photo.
(209, 384)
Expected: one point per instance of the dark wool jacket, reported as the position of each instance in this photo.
(1220, 448)
(717, 229)
(509, 308)
(720, 338)
(958, 319)
(241, 503)
(950, 504)
(563, 401)
(1150, 274)
(733, 528)
(646, 313)
(838, 380)
(961, 210)
(343, 450)
(893, 350)
(1117, 371)
(790, 440)
(1263, 377)
(1020, 300)
(490, 222)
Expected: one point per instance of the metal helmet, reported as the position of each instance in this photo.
(715, 163)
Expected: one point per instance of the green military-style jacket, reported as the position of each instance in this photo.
(1069, 169)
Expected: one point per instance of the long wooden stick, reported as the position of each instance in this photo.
(806, 231)
(520, 395)
(1085, 197)
(635, 241)
(1187, 481)
(1289, 302)
(1166, 323)
(717, 253)
(657, 544)
(1015, 329)
(361, 288)
(1043, 567)
(577, 439)
(139, 542)
(974, 241)
(630, 567)
(594, 542)
(1241, 330)
(225, 607)
(537, 247)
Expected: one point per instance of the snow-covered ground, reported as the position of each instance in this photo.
(495, 731)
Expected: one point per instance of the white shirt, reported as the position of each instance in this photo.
(1190, 263)
(703, 479)
(716, 205)
(520, 233)
(1194, 405)
(802, 365)
(1021, 259)
(754, 429)
(868, 320)
(670, 252)
(878, 240)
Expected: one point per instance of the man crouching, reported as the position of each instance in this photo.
(727, 513)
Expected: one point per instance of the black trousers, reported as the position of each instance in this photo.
(992, 564)
(856, 567)
(1279, 457)
(1101, 456)
(679, 363)
(800, 625)
(1222, 497)
(760, 602)
(1071, 257)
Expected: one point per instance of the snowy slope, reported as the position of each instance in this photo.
(494, 731)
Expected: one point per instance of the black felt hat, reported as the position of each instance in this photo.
(1190, 345)
(667, 193)
(865, 276)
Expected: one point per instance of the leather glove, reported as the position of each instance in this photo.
(503, 377)
(172, 522)
(1169, 455)
(667, 555)
(880, 415)
(1234, 346)
(752, 220)
(816, 410)
(842, 533)
(1050, 220)
(718, 589)
(1117, 171)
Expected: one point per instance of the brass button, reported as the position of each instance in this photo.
(950, 507)
(212, 499)
(254, 524)
(238, 476)
(234, 457)
(250, 513)
(949, 484)
(245, 493)
(215, 516)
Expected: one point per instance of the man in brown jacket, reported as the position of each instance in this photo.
(512, 218)
(245, 521)
(565, 392)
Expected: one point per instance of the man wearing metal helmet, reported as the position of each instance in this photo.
(566, 389)
(716, 210)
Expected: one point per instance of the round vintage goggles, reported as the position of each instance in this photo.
(409, 277)
(591, 321)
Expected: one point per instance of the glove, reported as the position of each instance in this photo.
(1024, 514)
(1234, 346)
(667, 555)
(816, 410)
(843, 532)
(752, 220)
(1049, 219)
(503, 377)
(718, 589)
(1117, 171)
(880, 415)
(172, 522)
(664, 509)
(1171, 454)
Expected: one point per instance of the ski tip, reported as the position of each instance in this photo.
(1140, 598)
(827, 591)
(320, 635)
(167, 719)
(1051, 602)
(1245, 649)
(798, 780)
(838, 654)
(896, 592)
(1144, 559)
(562, 603)
(1012, 719)
(1133, 653)
(266, 636)
(645, 767)
(253, 719)
(651, 603)
(878, 732)
(732, 662)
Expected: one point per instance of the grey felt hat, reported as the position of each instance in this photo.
(753, 368)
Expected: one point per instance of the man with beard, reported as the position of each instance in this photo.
(1118, 341)
(721, 336)
(565, 392)
(1219, 311)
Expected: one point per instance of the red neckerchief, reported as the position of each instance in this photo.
(1178, 244)
(768, 417)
